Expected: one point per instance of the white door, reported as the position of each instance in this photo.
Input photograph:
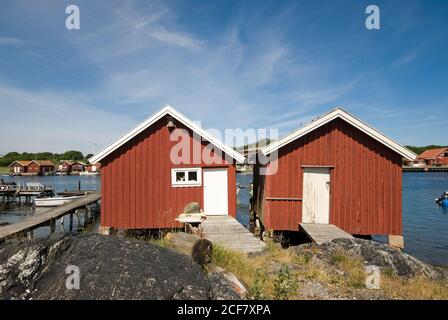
(316, 195)
(215, 192)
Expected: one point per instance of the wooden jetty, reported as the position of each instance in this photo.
(48, 217)
(229, 233)
(321, 233)
(425, 169)
(30, 190)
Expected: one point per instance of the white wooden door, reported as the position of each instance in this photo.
(215, 192)
(316, 195)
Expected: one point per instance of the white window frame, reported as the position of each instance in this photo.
(186, 183)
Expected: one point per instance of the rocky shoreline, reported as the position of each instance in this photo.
(109, 268)
(114, 267)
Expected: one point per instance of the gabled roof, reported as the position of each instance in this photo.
(70, 162)
(167, 110)
(43, 162)
(23, 163)
(431, 153)
(344, 115)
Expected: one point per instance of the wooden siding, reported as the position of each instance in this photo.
(136, 182)
(365, 178)
(22, 169)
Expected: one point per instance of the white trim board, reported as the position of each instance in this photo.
(344, 115)
(167, 110)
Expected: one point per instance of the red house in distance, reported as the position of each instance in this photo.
(434, 157)
(334, 170)
(33, 167)
(18, 167)
(143, 188)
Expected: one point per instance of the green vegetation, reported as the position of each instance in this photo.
(279, 274)
(419, 150)
(4, 170)
(10, 157)
(283, 273)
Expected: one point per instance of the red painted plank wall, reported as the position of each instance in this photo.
(366, 181)
(136, 186)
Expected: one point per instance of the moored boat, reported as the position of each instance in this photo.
(443, 199)
(87, 173)
(55, 201)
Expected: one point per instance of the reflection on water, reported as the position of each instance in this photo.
(425, 224)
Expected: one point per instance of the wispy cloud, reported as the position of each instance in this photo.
(405, 59)
(9, 41)
(242, 66)
(50, 121)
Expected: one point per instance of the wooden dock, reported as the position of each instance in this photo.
(48, 217)
(229, 233)
(321, 233)
(425, 169)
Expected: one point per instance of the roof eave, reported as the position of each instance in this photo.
(340, 113)
(167, 110)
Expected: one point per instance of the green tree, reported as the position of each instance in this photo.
(72, 155)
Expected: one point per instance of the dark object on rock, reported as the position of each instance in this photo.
(199, 249)
(202, 252)
(375, 253)
(109, 268)
(192, 207)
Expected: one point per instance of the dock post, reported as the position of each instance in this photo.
(52, 225)
(30, 235)
(71, 222)
(62, 223)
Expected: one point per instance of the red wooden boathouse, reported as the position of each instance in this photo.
(143, 186)
(32, 167)
(335, 170)
(19, 166)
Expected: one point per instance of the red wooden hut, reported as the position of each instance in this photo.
(77, 166)
(40, 167)
(145, 186)
(33, 167)
(92, 168)
(65, 166)
(18, 167)
(334, 170)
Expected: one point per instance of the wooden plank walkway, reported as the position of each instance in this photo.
(45, 217)
(229, 233)
(321, 233)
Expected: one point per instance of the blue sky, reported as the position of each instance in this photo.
(229, 64)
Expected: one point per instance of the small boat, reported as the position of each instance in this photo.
(55, 201)
(444, 203)
(443, 200)
(87, 173)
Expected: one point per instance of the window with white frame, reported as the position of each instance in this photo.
(186, 177)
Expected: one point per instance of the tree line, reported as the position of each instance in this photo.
(74, 155)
